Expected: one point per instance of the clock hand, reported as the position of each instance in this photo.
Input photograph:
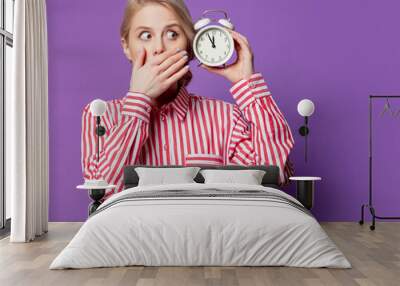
(210, 38)
(213, 40)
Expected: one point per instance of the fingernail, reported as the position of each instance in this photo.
(178, 49)
(185, 57)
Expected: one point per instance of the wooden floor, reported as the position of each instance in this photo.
(375, 257)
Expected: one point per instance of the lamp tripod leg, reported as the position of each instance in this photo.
(361, 222)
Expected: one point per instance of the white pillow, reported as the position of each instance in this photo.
(249, 177)
(163, 176)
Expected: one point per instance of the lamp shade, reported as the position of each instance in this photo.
(305, 107)
(98, 107)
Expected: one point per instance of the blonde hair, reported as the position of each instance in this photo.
(179, 8)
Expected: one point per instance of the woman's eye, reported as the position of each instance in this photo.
(172, 34)
(145, 36)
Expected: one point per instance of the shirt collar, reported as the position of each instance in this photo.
(180, 104)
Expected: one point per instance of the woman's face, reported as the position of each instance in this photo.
(156, 29)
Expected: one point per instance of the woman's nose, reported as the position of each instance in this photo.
(159, 46)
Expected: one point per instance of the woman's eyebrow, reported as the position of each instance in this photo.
(172, 25)
(167, 26)
(143, 28)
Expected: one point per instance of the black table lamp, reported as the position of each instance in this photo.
(305, 108)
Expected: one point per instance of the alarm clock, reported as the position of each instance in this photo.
(213, 44)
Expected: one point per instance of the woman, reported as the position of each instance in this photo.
(159, 123)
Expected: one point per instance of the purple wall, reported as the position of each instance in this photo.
(335, 53)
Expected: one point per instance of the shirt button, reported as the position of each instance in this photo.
(149, 109)
(162, 117)
(251, 84)
(165, 146)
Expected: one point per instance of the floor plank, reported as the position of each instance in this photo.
(375, 257)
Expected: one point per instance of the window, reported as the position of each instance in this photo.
(6, 62)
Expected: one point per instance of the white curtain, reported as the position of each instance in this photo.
(27, 123)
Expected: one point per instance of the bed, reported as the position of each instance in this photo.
(198, 224)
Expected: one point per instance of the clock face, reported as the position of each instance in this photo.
(213, 46)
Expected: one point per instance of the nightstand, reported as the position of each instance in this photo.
(305, 190)
(96, 194)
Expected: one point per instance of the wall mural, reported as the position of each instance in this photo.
(299, 49)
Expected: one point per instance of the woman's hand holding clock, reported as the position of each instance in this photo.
(243, 67)
(157, 74)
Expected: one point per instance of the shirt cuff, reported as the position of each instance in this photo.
(246, 91)
(138, 105)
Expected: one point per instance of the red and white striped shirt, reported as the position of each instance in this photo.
(190, 130)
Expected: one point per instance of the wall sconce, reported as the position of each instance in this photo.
(305, 108)
(98, 107)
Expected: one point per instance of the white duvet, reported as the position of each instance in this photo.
(200, 231)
